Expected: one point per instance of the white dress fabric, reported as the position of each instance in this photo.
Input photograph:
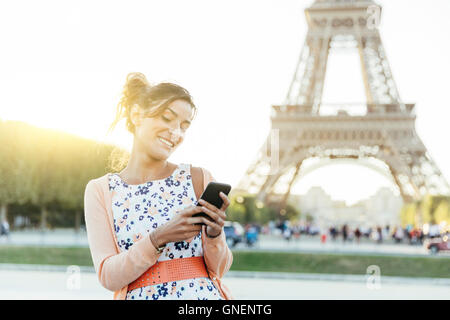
(139, 209)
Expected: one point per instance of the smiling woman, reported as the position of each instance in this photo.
(144, 241)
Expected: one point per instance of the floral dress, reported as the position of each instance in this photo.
(139, 209)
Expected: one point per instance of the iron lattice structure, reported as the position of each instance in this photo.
(380, 133)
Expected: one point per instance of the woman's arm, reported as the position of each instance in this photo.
(114, 270)
(217, 255)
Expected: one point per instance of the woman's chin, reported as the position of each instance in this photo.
(160, 154)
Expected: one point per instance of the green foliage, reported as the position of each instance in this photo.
(48, 169)
(431, 209)
(408, 214)
(245, 208)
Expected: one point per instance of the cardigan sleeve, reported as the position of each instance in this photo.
(218, 256)
(114, 270)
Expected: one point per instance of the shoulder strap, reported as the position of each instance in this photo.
(197, 180)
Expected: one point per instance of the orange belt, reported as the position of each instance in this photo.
(171, 270)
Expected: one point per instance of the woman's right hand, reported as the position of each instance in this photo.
(181, 227)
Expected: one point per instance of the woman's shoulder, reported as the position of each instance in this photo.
(204, 174)
(97, 183)
(201, 171)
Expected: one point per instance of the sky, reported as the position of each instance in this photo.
(63, 65)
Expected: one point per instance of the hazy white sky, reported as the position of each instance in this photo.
(63, 65)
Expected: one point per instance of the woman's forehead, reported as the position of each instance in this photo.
(181, 109)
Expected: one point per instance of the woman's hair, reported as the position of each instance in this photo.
(151, 99)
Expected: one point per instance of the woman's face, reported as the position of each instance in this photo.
(159, 136)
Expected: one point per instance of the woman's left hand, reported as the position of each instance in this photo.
(218, 216)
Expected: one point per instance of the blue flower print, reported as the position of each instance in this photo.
(169, 182)
(143, 190)
(163, 291)
(180, 245)
(125, 244)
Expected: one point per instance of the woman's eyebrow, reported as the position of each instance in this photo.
(177, 115)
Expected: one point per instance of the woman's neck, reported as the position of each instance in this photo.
(142, 168)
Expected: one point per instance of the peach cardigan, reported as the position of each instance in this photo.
(116, 269)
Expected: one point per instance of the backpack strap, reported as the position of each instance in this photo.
(197, 175)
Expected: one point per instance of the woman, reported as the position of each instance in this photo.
(144, 242)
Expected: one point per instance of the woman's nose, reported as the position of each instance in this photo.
(175, 134)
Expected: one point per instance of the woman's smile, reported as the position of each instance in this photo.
(166, 142)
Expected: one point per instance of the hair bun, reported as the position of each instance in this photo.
(135, 86)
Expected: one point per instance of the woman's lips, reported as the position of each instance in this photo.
(166, 142)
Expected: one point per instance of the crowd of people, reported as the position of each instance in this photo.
(378, 234)
(410, 235)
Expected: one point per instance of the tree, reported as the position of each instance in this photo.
(48, 168)
(15, 183)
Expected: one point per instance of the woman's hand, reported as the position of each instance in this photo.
(218, 216)
(181, 227)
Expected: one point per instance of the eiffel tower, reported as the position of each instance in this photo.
(379, 133)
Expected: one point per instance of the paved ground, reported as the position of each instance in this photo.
(54, 285)
(272, 243)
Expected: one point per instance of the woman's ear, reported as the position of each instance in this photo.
(135, 115)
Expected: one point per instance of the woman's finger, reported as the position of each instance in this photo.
(208, 205)
(226, 201)
(195, 232)
(193, 220)
(213, 211)
(189, 211)
(214, 226)
(215, 216)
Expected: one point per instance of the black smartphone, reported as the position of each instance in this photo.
(211, 195)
